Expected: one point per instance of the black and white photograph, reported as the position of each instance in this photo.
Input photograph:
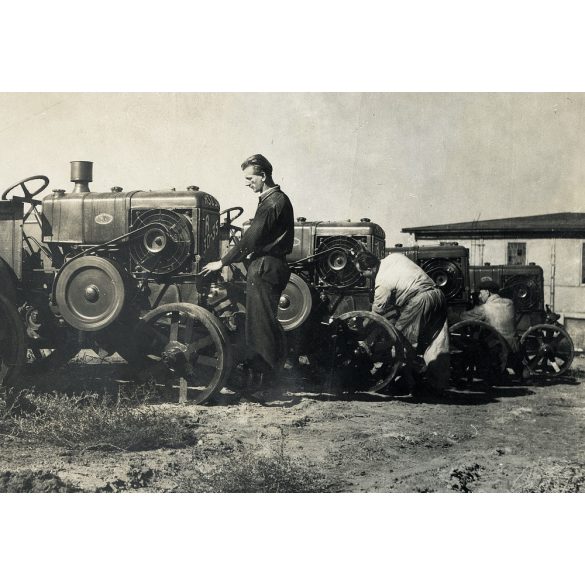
(300, 282)
(347, 292)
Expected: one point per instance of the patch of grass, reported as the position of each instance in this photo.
(576, 372)
(565, 477)
(463, 477)
(373, 450)
(42, 482)
(89, 421)
(138, 475)
(247, 471)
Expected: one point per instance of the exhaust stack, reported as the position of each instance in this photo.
(81, 175)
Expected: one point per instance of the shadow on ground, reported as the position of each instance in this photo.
(112, 378)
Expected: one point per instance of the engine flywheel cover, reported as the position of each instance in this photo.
(334, 264)
(447, 275)
(295, 303)
(165, 244)
(90, 292)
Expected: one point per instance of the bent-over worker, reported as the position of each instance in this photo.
(404, 287)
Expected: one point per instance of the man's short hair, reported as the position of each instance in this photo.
(260, 164)
(489, 285)
(365, 260)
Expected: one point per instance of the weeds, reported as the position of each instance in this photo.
(577, 372)
(251, 472)
(138, 475)
(464, 477)
(33, 482)
(566, 477)
(89, 421)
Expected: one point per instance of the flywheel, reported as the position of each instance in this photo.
(91, 292)
(295, 303)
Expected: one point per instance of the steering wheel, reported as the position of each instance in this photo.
(28, 196)
(229, 217)
(234, 230)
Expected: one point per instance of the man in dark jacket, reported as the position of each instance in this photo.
(267, 242)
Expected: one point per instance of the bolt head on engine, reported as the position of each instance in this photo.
(155, 240)
(284, 302)
(92, 293)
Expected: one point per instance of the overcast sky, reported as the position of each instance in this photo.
(400, 159)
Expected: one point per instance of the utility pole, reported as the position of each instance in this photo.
(553, 269)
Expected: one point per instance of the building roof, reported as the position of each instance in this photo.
(551, 225)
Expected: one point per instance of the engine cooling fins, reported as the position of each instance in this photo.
(523, 290)
(335, 265)
(165, 242)
(447, 275)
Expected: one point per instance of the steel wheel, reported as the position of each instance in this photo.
(547, 350)
(185, 348)
(477, 352)
(12, 342)
(367, 352)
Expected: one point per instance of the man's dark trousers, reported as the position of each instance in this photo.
(267, 278)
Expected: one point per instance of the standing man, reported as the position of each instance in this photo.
(403, 287)
(268, 240)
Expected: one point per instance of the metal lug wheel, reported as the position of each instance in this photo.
(477, 351)
(185, 348)
(367, 352)
(12, 342)
(547, 350)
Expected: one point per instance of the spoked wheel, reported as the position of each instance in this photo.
(12, 342)
(367, 352)
(185, 348)
(547, 350)
(478, 352)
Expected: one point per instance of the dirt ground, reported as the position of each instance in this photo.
(516, 438)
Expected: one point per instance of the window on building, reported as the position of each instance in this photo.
(516, 253)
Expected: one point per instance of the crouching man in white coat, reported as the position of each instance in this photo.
(418, 309)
